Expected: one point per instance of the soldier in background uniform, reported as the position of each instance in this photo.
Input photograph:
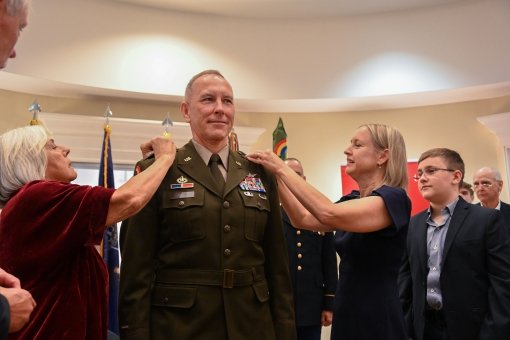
(313, 271)
(206, 258)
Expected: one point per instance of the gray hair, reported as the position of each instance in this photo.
(22, 158)
(494, 172)
(13, 7)
(189, 87)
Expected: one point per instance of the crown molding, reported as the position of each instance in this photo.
(499, 125)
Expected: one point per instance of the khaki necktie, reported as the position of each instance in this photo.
(214, 166)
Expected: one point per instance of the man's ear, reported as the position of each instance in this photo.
(500, 185)
(185, 111)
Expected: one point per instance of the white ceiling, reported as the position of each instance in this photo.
(290, 8)
(280, 55)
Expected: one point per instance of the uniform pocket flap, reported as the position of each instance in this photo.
(182, 199)
(172, 296)
(261, 291)
(256, 200)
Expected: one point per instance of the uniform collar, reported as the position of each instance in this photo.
(205, 154)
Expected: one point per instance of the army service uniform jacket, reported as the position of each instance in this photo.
(199, 264)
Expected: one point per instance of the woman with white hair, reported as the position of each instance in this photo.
(49, 229)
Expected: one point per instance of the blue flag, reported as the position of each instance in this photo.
(110, 238)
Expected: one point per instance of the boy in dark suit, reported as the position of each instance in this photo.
(455, 278)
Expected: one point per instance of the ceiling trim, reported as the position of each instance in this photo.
(285, 9)
(498, 124)
(43, 87)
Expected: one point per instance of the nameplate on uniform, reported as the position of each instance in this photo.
(252, 183)
(182, 194)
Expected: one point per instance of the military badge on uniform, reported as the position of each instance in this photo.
(252, 183)
(182, 183)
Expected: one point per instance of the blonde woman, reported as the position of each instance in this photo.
(371, 226)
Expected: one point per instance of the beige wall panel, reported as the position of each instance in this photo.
(318, 139)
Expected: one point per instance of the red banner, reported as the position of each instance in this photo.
(419, 203)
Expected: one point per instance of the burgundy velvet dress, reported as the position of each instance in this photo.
(48, 231)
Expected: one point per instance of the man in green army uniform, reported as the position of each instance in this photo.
(206, 258)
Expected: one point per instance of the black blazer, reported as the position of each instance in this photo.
(314, 284)
(4, 317)
(475, 275)
(505, 212)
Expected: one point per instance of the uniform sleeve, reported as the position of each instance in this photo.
(398, 205)
(277, 271)
(138, 238)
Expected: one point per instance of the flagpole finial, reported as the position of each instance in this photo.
(167, 122)
(107, 114)
(35, 108)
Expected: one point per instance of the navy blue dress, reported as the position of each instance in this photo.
(367, 304)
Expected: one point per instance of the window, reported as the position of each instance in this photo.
(88, 174)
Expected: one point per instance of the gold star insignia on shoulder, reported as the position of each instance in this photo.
(238, 163)
(187, 159)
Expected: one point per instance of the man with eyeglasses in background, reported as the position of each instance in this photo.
(488, 185)
(455, 278)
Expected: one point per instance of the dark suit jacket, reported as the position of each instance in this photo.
(475, 275)
(505, 212)
(200, 264)
(315, 281)
(4, 317)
